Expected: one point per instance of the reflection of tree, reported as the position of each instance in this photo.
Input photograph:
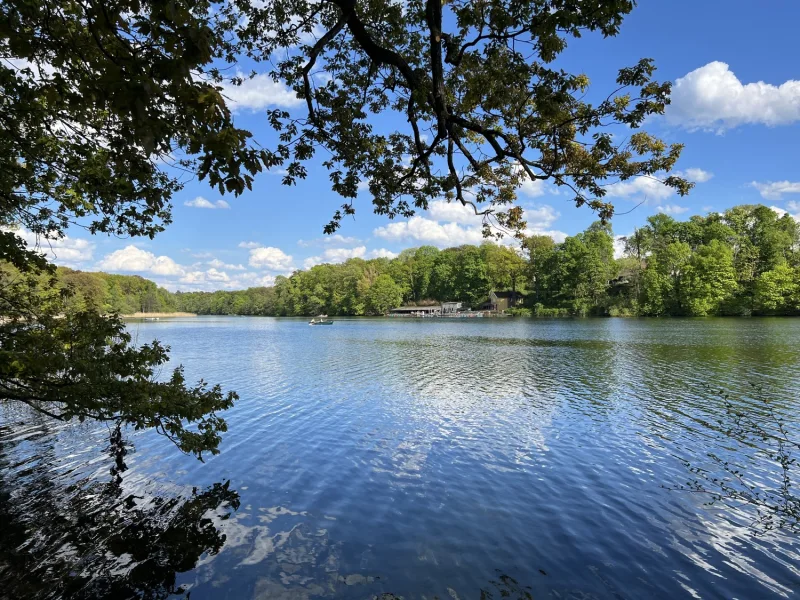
(94, 540)
(745, 436)
(506, 587)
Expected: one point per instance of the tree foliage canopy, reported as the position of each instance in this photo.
(98, 97)
(478, 103)
(107, 105)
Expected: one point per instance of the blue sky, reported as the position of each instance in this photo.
(736, 107)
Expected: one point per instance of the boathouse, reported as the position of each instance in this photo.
(417, 311)
(501, 301)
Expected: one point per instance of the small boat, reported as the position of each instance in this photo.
(321, 320)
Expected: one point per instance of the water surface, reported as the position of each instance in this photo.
(439, 458)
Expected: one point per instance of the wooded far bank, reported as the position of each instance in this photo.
(745, 261)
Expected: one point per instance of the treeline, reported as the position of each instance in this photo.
(106, 293)
(745, 261)
(372, 287)
(741, 262)
(123, 294)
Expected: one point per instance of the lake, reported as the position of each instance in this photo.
(443, 458)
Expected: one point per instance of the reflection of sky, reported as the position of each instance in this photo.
(428, 454)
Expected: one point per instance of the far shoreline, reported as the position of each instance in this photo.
(157, 315)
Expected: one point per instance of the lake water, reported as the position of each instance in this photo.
(446, 458)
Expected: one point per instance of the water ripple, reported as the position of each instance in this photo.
(441, 458)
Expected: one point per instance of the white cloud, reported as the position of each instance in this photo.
(65, 251)
(672, 209)
(255, 280)
(642, 185)
(133, 259)
(793, 206)
(712, 97)
(39, 70)
(558, 236)
(208, 280)
(265, 281)
(619, 246)
(213, 279)
(452, 224)
(167, 273)
(781, 212)
(533, 188)
(215, 275)
(442, 210)
(336, 239)
(272, 259)
(696, 175)
(258, 93)
(651, 188)
(249, 245)
(428, 231)
(218, 264)
(201, 202)
(193, 278)
(541, 217)
(382, 253)
(335, 255)
(774, 190)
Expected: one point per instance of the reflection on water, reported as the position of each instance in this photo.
(95, 539)
(391, 458)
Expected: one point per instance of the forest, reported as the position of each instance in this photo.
(103, 292)
(744, 261)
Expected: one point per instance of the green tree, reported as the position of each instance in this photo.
(585, 266)
(778, 291)
(761, 240)
(540, 250)
(442, 285)
(470, 279)
(655, 289)
(671, 262)
(89, 289)
(504, 266)
(383, 295)
(424, 261)
(601, 267)
(710, 279)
